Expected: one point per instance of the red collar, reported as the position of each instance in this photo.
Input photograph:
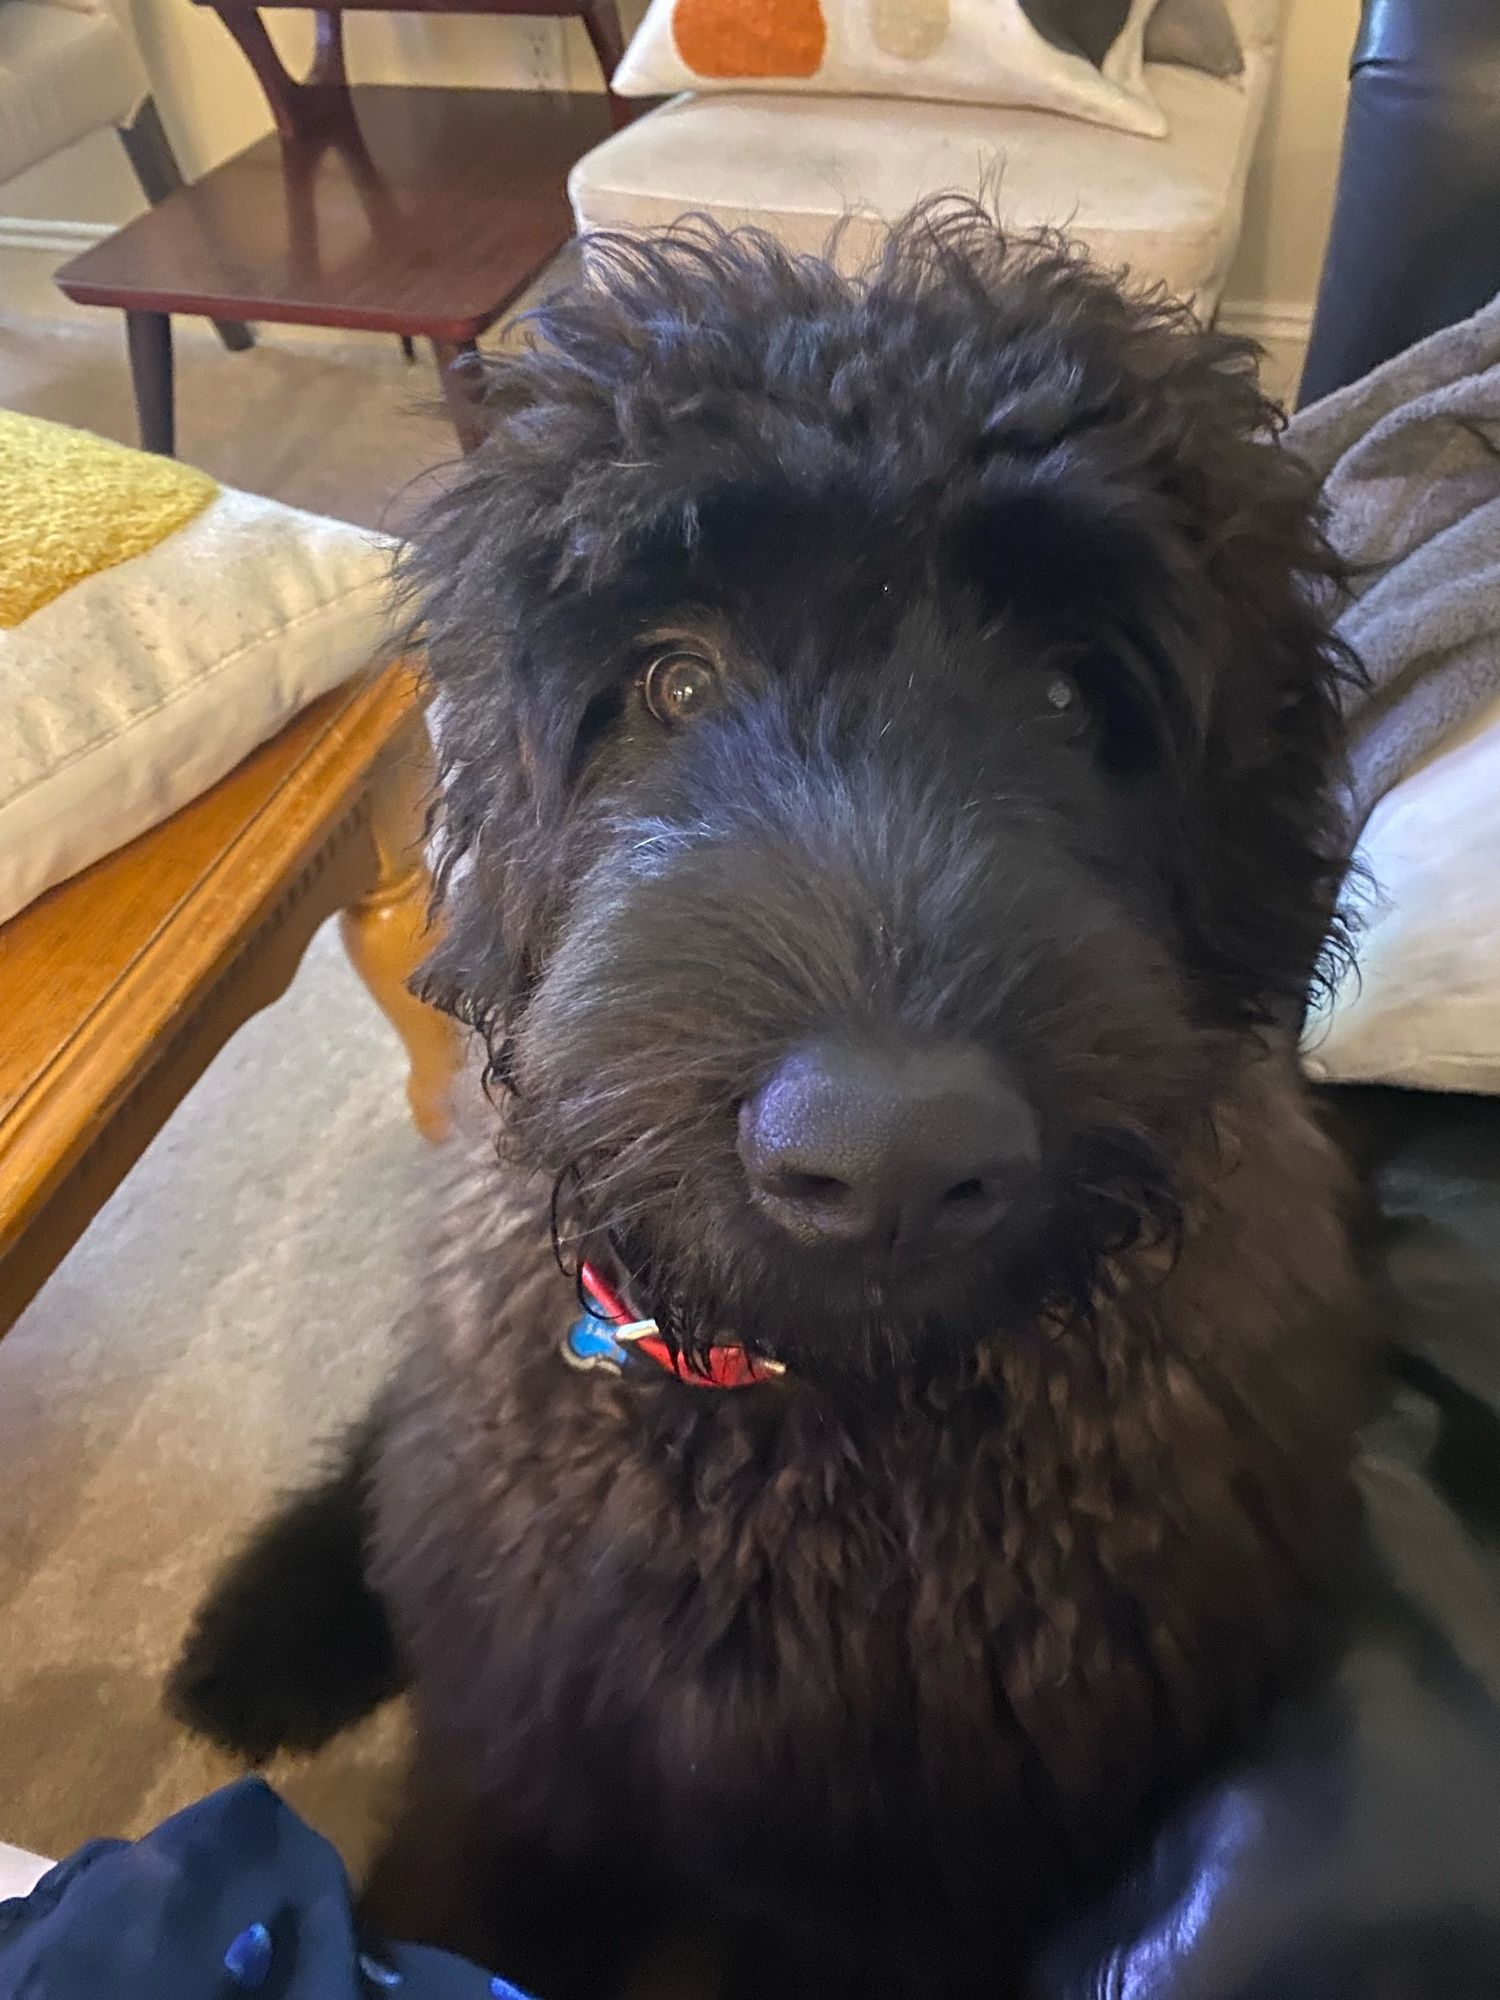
(726, 1366)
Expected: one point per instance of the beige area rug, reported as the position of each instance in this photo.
(235, 1302)
(348, 429)
(233, 1305)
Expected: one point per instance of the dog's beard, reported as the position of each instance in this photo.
(719, 1274)
(647, 1184)
(659, 1010)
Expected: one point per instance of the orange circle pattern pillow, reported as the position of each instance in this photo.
(1084, 58)
(720, 40)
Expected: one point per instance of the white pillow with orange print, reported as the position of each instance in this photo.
(1083, 58)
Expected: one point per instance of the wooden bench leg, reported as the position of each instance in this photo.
(149, 335)
(462, 375)
(386, 932)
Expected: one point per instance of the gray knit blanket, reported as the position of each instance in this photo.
(1410, 460)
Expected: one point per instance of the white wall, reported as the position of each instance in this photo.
(1290, 198)
(212, 107)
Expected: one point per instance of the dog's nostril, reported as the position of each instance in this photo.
(964, 1192)
(793, 1185)
(901, 1148)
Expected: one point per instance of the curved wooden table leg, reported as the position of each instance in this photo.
(386, 932)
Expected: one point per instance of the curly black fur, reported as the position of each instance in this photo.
(1027, 721)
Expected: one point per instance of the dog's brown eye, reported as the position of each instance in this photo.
(677, 686)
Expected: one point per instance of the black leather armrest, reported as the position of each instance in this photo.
(1415, 243)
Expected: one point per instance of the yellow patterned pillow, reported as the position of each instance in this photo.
(72, 504)
(154, 627)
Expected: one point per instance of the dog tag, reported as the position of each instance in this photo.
(590, 1343)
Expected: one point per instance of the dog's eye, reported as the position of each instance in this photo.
(678, 685)
(1063, 694)
(1066, 709)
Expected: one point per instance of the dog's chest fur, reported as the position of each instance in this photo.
(805, 1646)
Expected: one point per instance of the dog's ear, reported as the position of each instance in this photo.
(1256, 591)
(465, 573)
(515, 578)
(1176, 535)
(1075, 561)
(1248, 590)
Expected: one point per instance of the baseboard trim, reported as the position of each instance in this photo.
(1262, 319)
(1268, 319)
(61, 239)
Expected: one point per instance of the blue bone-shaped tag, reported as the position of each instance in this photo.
(591, 1343)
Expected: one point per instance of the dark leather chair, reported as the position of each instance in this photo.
(1359, 1853)
(1416, 229)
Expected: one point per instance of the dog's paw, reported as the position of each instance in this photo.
(291, 1645)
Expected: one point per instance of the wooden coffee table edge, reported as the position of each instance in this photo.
(323, 840)
(262, 311)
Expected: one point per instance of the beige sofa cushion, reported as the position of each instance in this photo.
(1164, 209)
(1424, 1010)
(64, 72)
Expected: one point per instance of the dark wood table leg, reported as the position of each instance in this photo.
(462, 375)
(150, 154)
(150, 338)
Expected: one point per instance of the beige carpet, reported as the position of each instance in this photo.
(346, 429)
(235, 1302)
(232, 1304)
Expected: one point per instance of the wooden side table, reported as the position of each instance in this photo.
(419, 212)
(119, 987)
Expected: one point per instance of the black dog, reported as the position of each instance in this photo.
(887, 727)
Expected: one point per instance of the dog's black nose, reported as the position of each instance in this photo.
(908, 1148)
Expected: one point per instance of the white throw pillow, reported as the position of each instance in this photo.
(141, 685)
(1083, 58)
(1425, 1008)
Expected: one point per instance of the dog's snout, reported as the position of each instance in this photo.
(911, 1149)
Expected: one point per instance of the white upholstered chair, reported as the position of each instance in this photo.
(1166, 209)
(69, 68)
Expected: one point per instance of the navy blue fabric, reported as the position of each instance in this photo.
(235, 1895)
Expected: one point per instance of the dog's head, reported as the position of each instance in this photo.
(887, 725)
